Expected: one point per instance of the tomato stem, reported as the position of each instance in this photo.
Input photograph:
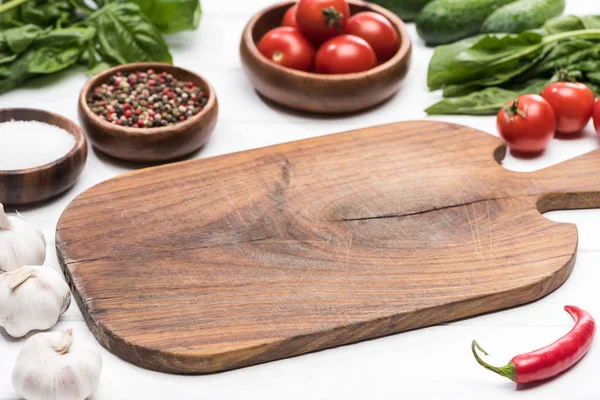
(507, 371)
(333, 16)
(513, 109)
(563, 75)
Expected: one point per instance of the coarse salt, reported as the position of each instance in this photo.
(28, 144)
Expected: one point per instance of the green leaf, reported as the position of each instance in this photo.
(46, 12)
(99, 67)
(494, 47)
(15, 74)
(172, 16)
(125, 35)
(484, 102)
(443, 67)
(568, 23)
(20, 38)
(58, 50)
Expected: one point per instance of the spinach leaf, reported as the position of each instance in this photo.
(443, 66)
(496, 58)
(172, 16)
(9, 18)
(567, 23)
(18, 39)
(484, 102)
(125, 35)
(47, 12)
(490, 60)
(58, 50)
(15, 73)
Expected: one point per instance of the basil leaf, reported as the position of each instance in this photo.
(172, 16)
(20, 38)
(125, 35)
(58, 50)
(484, 102)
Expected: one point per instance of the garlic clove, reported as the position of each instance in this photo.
(51, 366)
(32, 298)
(20, 243)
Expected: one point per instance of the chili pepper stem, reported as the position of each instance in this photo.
(508, 371)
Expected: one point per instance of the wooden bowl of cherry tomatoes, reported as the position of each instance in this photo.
(326, 56)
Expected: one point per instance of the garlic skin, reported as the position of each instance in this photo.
(32, 298)
(51, 367)
(20, 243)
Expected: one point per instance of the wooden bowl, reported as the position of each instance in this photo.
(322, 93)
(149, 144)
(32, 185)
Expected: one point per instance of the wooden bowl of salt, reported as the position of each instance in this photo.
(41, 155)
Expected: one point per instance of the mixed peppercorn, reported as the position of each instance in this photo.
(146, 100)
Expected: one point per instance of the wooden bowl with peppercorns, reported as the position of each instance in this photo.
(148, 112)
(320, 92)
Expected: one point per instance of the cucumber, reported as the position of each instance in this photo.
(523, 15)
(407, 10)
(446, 21)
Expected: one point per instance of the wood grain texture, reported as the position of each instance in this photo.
(214, 264)
(33, 185)
(320, 93)
(152, 144)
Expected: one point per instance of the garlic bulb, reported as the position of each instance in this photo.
(51, 367)
(32, 298)
(20, 243)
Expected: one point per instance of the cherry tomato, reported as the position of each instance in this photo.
(289, 18)
(320, 20)
(527, 124)
(287, 47)
(572, 102)
(596, 115)
(377, 31)
(345, 54)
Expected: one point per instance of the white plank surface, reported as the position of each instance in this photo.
(431, 363)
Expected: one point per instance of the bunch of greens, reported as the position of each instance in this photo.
(480, 74)
(39, 37)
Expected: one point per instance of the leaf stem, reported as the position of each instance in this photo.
(11, 4)
(582, 34)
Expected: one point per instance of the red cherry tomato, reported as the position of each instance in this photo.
(596, 115)
(345, 54)
(377, 31)
(287, 47)
(289, 18)
(527, 124)
(572, 102)
(320, 20)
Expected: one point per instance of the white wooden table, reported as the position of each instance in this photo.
(428, 363)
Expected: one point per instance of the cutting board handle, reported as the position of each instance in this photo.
(572, 184)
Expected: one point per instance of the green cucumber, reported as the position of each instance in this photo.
(523, 15)
(407, 10)
(446, 21)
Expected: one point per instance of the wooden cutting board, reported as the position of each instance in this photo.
(214, 264)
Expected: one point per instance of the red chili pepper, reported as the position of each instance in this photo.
(550, 360)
